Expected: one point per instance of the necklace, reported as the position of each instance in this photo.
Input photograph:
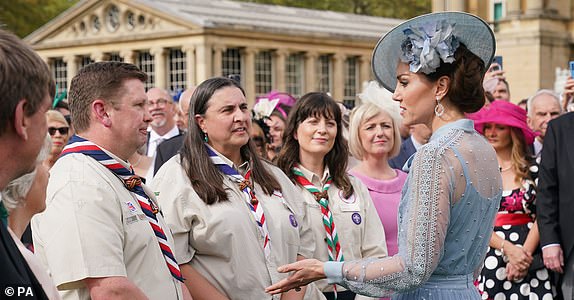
(505, 169)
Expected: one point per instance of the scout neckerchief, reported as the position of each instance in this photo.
(247, 188)
(133, 183)
(335, 251)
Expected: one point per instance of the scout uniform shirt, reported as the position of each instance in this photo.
(94, 227)
(222, 241)
(360, 230)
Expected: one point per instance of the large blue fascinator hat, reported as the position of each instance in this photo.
(424, 41)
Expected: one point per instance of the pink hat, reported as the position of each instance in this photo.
(284, 99)
(504, 113)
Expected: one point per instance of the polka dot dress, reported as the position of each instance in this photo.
(492, 282)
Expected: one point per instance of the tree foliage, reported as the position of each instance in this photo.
(401, 9)
(24, 16)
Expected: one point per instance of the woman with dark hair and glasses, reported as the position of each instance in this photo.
(233, 216)
(59, 130)
(343, 218)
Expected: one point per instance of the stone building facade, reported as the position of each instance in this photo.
(534, 37)
(180, 43)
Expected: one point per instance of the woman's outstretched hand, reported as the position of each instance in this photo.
(304, 272)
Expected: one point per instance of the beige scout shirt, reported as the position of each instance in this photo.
(94, 227)
(356, 220)
(222, 240)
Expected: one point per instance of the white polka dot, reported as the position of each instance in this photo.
(534, 282)
(501, 274)
(484, 296)
(529, 225)
(513, 236)
(507, 285)
(506, 227)
(491, 263)
(542, 274)
(489, 283)
(500, 296)
(525, 289)
(513, 297)
(500, 234)
(547, 296)
(547, 285)
(533, 296)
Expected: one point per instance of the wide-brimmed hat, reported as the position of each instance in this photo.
(504, 113)
(432, 36)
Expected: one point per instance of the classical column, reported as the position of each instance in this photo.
(160, 71)
(364, 70)
(280, 56)
(189, 51)
(338, 76)
(457, 5)
(249, 74)
(513, 8)
(311, 71)
(534, 7)
(72, 63)
(203, 61)
(128, 56)
(217, 60)
(99, 56)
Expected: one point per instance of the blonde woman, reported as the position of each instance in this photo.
(374, 138)
(59, 131)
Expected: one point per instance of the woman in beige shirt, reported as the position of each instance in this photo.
(233, 216)
(343, 218)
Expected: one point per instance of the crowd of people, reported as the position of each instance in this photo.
(436, 186)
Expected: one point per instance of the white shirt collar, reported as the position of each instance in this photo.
(153, 136)
(314, 178)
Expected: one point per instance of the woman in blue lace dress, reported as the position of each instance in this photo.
(435, 65)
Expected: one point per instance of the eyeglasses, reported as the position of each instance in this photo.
(159, 102)
(61, 130)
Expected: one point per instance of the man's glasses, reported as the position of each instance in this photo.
(61, 130)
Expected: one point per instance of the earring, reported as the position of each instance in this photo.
(205, 138)
(439, 108)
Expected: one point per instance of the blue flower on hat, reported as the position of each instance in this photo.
(428, 44)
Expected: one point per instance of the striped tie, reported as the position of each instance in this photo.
(333, 244)
(134, 184)
(246, 187)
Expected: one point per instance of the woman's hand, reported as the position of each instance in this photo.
(304, 272)
(513, 273)
(517, 256)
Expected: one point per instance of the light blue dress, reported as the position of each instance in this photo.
(445, 220)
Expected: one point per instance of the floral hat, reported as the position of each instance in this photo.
(504, 113)
(424, 41)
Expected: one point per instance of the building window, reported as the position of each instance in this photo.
(85, 60)
(60, 72)
(351, 81)
(114, 56)
(263, 72)
(177, 70)
(231, 62)
(145, 61)
(294, 74)
(324, 77)
(498, 10)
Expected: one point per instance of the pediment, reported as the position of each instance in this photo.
(93, 22)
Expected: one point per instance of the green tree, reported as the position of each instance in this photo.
(24, 16)
(401, 9)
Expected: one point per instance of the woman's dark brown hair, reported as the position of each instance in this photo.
(466, 74)
(205, 177)
(316, 105)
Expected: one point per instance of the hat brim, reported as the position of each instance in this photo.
(529, 135)
(469, 29)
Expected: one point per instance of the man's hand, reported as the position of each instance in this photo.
(553, 258)
(568, 93)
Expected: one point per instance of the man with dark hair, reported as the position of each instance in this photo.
(102, 234)
(26, 89)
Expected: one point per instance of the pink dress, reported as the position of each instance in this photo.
(386, 195)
